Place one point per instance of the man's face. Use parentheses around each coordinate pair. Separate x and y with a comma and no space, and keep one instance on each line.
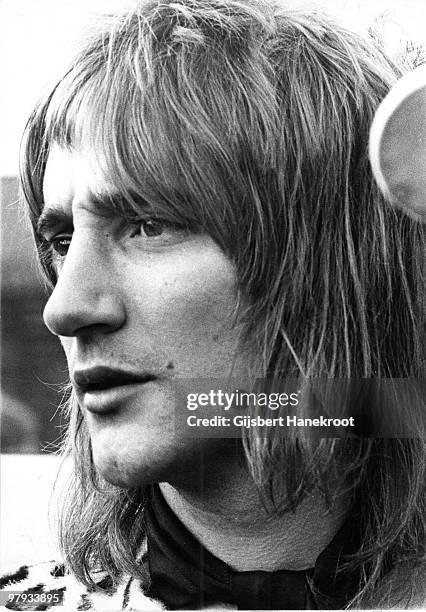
(139,308)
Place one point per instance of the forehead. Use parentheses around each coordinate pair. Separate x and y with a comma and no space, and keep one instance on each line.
(72,174)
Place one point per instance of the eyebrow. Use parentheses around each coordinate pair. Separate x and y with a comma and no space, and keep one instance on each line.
(50,219)
(105,206)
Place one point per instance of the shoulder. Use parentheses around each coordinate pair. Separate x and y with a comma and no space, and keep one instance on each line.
(50,584)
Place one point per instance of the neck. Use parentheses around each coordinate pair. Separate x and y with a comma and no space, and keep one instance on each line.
(227,516)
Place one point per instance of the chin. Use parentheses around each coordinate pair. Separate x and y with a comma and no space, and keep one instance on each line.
(118,471)
(146,463)
(181,463)
(128,468)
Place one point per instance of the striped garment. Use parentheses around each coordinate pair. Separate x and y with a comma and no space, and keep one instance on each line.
(52,578)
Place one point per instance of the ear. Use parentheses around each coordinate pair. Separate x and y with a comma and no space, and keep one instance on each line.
(398,144)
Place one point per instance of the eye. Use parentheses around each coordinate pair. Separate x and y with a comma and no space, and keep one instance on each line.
(60,245)
(157,233)
(150,227)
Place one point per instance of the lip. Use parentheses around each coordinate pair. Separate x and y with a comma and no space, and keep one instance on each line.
(103,389)
(100,378)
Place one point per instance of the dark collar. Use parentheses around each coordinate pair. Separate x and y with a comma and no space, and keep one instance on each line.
(184,575)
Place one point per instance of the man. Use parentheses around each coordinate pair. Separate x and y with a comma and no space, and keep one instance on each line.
(200,194)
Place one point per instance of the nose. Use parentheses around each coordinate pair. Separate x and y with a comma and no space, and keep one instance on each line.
(85,297)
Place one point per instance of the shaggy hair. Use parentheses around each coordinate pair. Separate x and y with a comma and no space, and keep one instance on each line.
(251,122)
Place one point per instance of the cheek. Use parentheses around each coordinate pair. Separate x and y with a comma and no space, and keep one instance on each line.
(202,297)
(188,308)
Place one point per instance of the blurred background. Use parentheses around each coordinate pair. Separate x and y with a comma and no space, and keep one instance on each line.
(37,38)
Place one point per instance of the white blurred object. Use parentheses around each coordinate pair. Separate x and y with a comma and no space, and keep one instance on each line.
(26,537)
(398,144)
